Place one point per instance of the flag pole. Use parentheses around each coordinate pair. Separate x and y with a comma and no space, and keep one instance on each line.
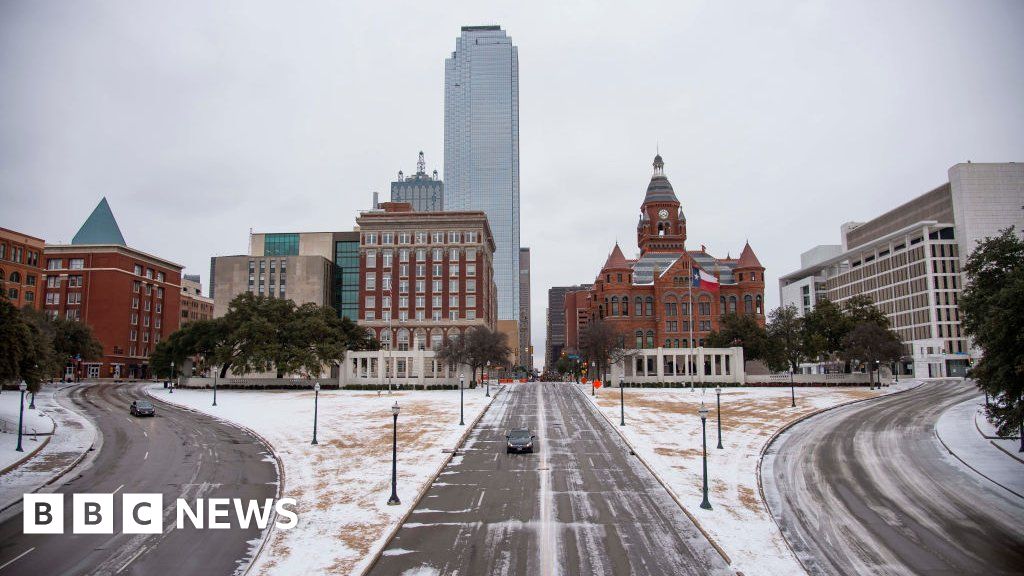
(689,361)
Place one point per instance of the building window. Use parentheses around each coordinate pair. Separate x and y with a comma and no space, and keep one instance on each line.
(435,285)
(470,269)
(371,282)
(76,263)
(471,285)
(421,301)
(404,237)
(385,302)
(438,254)
(54,264)
(421,237)
(454,237)
(370,302)
(453,286)
(12,293)
(14,278)
(421,286)
(470,314)
(639,339)
(387,255)
(403,301)
(453,301)
(421,255)
(145,321)
(453,270)
(370,315)
(135,319)
(371,258)
(403,286)
(435,301)
(471,237)
(470,301)
(74,281)
(748,304)
(281,244)
(387,238)
(639,306)
(649,310)
(615,306)
(403,270)
(149,273)
(74,297)
(73,314)
(386,282)
(650,339)
(160,308)
(51,281)
(29,296)
(160,276)
(370,238)
(436,270)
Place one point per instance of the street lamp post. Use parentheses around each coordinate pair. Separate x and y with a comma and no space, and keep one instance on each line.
(32,403)
(21,413)
(393,500)
(622,403)
(170,387)
(488,378)
(792,390)
(462,382)
(215,386)
(718,401)
(316,408)
(703,428)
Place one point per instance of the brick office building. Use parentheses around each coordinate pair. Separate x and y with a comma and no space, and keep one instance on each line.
(194,306)
(672,297)
(129,298)
(21,273)
(426,276)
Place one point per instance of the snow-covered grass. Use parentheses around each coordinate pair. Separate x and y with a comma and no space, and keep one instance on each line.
(35,421)
(73,436)
(664,427)
(341,485)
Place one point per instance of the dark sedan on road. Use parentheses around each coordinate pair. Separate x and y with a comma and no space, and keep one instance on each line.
(519,440)
(142,408)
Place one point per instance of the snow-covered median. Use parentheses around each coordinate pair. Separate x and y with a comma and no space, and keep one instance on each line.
(664,427)
(342,484)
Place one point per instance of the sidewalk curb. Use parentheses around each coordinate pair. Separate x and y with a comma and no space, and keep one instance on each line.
(375,557)
(30,454)
(718,548)
(66,469)
(964,462)
(272,522)
(787,426)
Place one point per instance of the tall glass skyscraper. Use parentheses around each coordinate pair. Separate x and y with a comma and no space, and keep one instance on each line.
(481,145)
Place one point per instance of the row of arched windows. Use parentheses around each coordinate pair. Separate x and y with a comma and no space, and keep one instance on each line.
(751,304)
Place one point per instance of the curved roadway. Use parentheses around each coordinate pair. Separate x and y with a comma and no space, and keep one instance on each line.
(178,453)
(868,489)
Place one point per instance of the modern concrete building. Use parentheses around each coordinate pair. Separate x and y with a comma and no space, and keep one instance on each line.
(21,268)
(804,293)
(317,267)
(909,261)
(556,322)
(194,305)
(525,338)
(128,297)
(481,145)
(426,276)
(425,192)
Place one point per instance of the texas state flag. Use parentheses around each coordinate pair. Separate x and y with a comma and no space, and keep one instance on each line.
(702,279)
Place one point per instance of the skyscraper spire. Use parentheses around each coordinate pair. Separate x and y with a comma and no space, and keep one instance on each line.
(421,164)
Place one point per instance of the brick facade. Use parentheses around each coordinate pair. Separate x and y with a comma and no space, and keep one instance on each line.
(130,299)
(21,272)
(649,299)
(430,273)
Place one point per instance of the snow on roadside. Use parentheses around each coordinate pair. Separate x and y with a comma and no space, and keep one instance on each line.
(664,427)
(74,435)
(35,421)
(341,485)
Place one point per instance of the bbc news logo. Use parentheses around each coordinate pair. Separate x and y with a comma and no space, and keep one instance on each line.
(144,513)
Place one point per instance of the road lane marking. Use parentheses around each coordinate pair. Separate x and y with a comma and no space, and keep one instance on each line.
(146,456)
(16,558)
(547,534)
(144,433)
(118,489)
(132,559)
(480,501)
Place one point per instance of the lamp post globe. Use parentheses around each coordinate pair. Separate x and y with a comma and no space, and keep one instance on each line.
(316,408)
(21,413)
(622,402)
(703,411)
(718,402)
(393,500)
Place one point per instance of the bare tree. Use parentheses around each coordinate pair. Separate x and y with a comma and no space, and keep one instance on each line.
(603,344)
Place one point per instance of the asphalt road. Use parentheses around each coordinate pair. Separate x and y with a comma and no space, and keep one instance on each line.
(178,453)
(580,505)
(868,489)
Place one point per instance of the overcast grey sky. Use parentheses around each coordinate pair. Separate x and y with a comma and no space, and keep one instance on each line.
(778,121)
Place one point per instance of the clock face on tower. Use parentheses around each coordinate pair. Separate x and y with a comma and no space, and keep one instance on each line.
(663,214)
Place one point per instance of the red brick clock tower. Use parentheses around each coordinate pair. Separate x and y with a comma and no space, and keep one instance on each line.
(662,226)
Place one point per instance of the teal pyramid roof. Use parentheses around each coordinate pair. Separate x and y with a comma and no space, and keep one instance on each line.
(100,227)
